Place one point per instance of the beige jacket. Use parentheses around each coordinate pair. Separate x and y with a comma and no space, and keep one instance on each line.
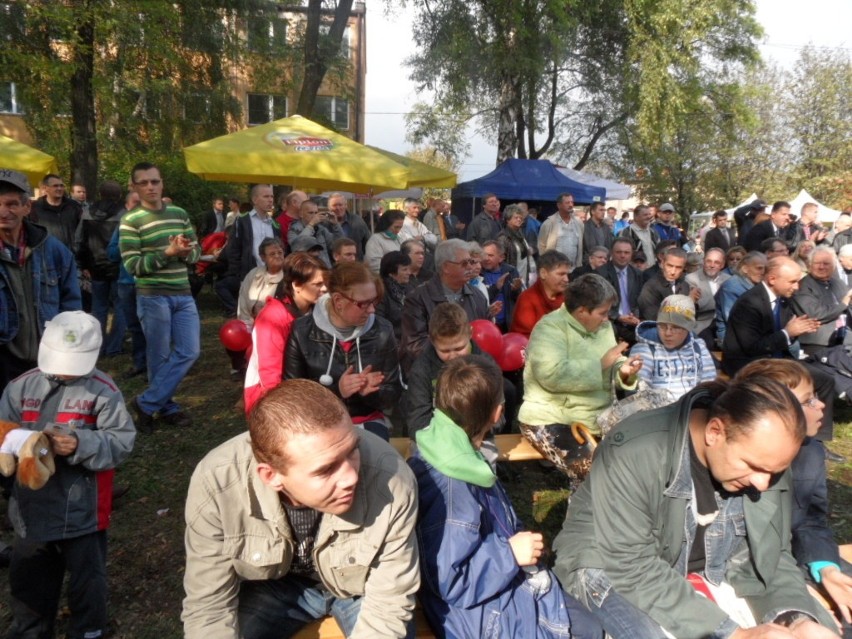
(236,529)
(548,236)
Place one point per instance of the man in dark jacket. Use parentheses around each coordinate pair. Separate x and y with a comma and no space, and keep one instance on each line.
(214,220)
(596,232)
(762,324)
(351,224)
(97,226)
(721,236)
(776,226)
(38,279)
(486,225)
(627,282)
(241,252)
(669,281)
(57,212)
(454,267)
(806,227)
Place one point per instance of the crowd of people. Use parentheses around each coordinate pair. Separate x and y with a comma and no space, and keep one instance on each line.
(687,523)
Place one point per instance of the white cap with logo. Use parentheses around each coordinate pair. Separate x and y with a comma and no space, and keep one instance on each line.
(70,345)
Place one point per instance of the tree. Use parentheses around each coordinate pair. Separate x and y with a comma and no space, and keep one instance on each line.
(145,79)
(321,50)
(561,77)
(820,122)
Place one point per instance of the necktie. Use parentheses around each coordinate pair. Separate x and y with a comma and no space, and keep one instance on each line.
(777,313)
(624,304)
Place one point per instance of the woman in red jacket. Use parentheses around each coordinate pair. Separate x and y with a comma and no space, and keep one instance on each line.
(303,283)
(546,295)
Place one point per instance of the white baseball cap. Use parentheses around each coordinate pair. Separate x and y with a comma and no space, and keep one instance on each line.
(70,345)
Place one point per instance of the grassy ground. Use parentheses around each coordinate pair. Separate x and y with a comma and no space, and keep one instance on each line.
(146,558)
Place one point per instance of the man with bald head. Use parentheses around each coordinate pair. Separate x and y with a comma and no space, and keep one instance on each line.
(762,324)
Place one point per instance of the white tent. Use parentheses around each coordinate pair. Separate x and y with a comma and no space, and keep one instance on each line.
(824,214)
(614,190)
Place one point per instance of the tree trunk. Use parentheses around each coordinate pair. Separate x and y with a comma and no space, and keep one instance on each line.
(507,127)
(316,59)
(84,146)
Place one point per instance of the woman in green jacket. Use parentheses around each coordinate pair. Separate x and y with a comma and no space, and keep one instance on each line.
(571,364)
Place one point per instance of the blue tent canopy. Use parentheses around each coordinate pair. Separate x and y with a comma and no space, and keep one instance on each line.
(535,180)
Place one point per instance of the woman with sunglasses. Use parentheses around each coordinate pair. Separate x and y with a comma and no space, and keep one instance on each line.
(346,347)
(302,283)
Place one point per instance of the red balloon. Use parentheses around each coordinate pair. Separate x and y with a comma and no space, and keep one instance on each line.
(487,336)
(235,335)
(513,356)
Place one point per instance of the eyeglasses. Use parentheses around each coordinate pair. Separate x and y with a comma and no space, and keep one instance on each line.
(363,304)
(813,402)
(468,262)
(56,186)
(147,182)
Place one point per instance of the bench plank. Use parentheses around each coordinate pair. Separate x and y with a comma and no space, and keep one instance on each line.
(328,629)
(509,448)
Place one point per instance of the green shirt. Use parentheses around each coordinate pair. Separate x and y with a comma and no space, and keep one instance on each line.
(143,240)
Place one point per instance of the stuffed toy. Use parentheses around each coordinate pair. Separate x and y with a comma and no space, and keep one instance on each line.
(30,451)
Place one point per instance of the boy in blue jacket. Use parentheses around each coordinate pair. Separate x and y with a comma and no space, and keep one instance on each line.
(479,569)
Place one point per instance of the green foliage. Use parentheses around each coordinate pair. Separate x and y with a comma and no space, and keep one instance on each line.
(562,76)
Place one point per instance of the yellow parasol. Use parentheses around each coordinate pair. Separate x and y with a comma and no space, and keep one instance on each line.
(29,161)
(301,153)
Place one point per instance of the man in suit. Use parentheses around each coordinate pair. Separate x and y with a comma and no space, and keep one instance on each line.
(823,297)
(721,236)
(669,281)
(708,280)
(762,324)
(214,220)
(775,226)
(627,282)
(351,224)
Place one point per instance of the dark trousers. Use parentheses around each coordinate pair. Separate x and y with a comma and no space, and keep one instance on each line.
(228,290)
(35,582)
(824,389)
(127,303)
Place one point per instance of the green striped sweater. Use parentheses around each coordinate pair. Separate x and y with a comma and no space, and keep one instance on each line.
(143,238)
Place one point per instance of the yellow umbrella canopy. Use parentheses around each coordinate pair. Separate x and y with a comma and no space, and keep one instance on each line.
(29,161)
(300,152)
(424,175)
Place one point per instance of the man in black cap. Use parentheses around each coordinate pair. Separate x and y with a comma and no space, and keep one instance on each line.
(39,279)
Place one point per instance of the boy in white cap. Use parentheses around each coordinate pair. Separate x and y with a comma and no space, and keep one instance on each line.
(674,359)
(63,525)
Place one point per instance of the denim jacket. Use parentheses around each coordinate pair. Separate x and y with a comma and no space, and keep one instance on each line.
(55,285)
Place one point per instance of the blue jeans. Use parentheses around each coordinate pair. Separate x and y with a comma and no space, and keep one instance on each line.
(127,302)
(279,608)
(173,333)
(620,618)
(104,295)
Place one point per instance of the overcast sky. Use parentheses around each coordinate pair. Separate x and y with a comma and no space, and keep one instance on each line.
(789,25)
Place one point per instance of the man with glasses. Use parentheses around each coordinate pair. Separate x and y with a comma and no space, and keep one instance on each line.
(55,211)
(453,269)
(157,244)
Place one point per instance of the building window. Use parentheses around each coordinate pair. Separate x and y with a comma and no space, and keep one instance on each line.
(265,108)
(345,42)
(10,98)
(265,33)
(11,22)
(334,110)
